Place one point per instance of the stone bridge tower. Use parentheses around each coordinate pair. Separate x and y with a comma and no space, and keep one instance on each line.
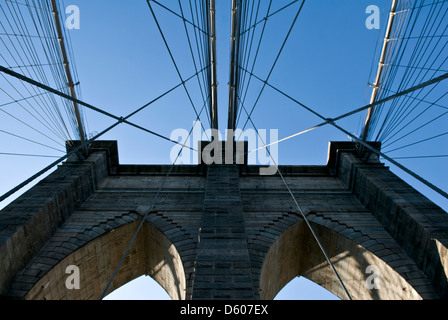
(223,231)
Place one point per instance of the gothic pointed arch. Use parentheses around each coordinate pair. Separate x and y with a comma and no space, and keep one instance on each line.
(364,272)
(152,254)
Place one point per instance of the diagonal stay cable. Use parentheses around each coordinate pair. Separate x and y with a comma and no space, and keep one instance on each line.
(173,60)
(29,140)
(299,208)
(416,142)
(68,154)
(245,87)
(201,46)
(422,100)
(276,60)
(246,52)
(331,121)
(378,102)
(328,120)
(27,155)
(414,130)
(42,86)
(26,124)
(423,157)
(24,51)
(420,58)
(192,54)
(87,142)
(182,17)
(267,17)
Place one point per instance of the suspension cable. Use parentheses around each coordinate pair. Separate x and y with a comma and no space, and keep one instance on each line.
(33,82)
(331,121)
(276,60)
(87,142)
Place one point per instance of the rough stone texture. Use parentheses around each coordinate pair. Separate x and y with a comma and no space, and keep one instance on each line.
(223,231)
(223,267)
(33,219)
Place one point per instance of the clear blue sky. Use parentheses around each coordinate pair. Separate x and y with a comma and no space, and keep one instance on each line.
(122,64)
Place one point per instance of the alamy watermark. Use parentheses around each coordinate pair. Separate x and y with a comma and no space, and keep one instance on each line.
(72,281)
(73,20)
(373,20)
(220,145)
(373,280)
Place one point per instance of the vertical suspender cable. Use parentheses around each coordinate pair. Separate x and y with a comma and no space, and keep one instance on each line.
(376,84)
(239,18)
(214,84)
(67,70)
(233,56)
